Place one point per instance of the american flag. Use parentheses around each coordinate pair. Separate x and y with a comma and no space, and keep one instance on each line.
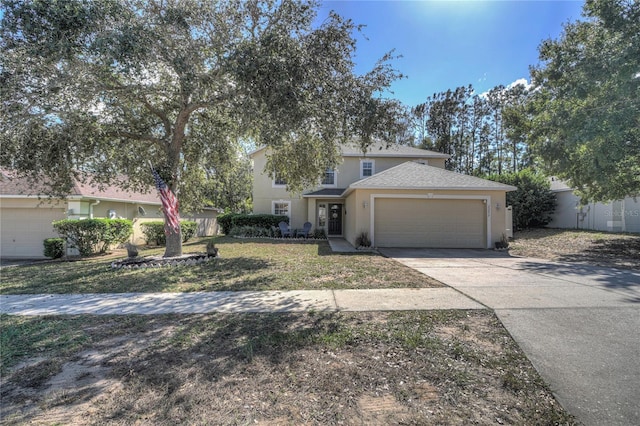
(169,204)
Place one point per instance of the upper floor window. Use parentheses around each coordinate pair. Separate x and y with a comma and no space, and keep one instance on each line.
(367,168)
(279,181)
(329,178)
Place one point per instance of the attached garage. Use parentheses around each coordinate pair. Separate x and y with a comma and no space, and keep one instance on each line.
(26,219)
(23,230)
(430,222)
(417,205)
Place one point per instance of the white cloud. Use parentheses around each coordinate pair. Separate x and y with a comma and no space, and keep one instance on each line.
(521,81)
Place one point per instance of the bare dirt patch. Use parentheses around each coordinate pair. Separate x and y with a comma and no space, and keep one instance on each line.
(437,367)
(596,248)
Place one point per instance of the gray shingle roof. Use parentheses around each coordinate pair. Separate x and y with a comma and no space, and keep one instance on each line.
(558,185)
(379,149)
(12,185)
(325,192)
(412,175)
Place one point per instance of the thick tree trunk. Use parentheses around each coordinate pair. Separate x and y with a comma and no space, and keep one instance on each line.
(174,244)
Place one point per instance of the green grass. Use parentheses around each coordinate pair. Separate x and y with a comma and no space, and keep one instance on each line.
(243,265)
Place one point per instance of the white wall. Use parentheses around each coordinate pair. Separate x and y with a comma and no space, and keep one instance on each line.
(616,216)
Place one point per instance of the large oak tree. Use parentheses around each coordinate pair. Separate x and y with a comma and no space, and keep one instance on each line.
(95,90)
(586,104)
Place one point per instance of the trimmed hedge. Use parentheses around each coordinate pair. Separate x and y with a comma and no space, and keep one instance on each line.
(229,221)
(154,231)
(92,236)
(54,247)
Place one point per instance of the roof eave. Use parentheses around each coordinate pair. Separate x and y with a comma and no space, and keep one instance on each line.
(122,200)
(506,188)
(320,196)
(398,155)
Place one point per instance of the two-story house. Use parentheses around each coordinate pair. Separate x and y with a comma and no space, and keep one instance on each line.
(400,196)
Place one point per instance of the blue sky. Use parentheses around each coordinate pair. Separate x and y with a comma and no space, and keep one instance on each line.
(446,44)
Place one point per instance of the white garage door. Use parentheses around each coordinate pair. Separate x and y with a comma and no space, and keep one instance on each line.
(436,223)
(23,230)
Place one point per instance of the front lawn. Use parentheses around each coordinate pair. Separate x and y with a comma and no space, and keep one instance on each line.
(365,368)
(243,265)
(571,245)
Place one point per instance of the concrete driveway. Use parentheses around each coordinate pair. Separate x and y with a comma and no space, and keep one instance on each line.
(578,324)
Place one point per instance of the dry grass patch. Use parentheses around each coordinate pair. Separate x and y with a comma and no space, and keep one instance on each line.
(593,247)
(243,265)
(436,367)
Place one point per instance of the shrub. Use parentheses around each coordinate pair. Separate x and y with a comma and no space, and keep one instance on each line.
(54,247)
(154,231)
(91,236)
(533,202)
(230,220)
(188,230)
(363,240)
(318,234)
(251,232)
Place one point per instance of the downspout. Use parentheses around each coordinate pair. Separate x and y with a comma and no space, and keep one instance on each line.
(91,208)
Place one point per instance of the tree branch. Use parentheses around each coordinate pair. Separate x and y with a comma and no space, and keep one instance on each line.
(138,137)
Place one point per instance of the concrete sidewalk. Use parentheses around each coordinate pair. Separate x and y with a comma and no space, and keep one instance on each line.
(241,301)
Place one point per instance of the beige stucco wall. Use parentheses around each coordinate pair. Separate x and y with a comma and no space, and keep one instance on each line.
(83,209)
(362,215)
(348,172)
(37,215)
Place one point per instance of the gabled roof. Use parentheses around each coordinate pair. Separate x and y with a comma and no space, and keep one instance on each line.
(558,185)
(412,175)
(380,149)
(13,186)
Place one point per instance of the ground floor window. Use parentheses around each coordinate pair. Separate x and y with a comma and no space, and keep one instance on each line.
(282,208)
(322,215)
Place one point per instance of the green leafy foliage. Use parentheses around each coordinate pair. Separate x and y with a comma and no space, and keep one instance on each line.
(188,229)
(228,221)
(533,202)
(252,232)
(54,247)
(92,236)
(585,112)
(154,231)
(126,81)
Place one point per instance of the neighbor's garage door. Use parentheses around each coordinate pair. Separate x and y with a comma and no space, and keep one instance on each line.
(435,223)
(23,230)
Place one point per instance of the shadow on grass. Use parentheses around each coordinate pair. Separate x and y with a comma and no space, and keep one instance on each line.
(615,251)
(236,340)
(95,276)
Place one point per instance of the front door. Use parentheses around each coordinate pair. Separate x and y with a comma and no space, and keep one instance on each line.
(335,219)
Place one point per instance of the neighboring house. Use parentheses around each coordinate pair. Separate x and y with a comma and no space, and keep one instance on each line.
(400,196)
(25,218)
(615,216)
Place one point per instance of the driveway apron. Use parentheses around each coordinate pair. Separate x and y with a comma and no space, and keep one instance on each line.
(578,324)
